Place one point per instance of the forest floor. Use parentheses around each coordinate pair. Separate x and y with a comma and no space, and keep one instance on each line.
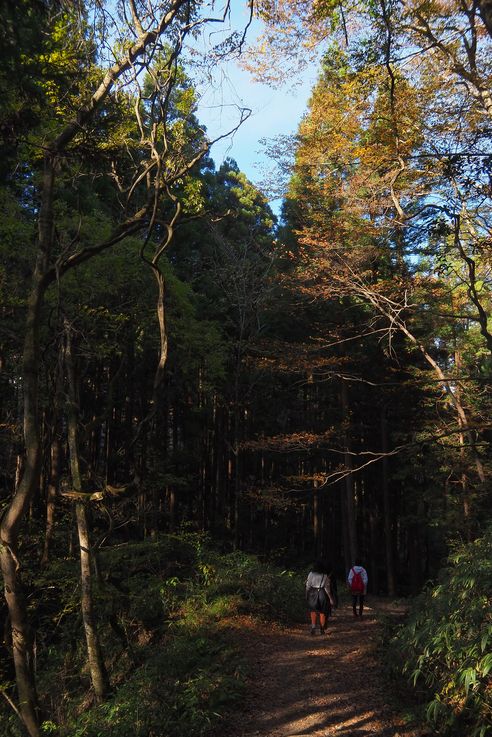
(317,686)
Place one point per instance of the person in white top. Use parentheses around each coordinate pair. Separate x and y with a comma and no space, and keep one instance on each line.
(318,595)
(357,582)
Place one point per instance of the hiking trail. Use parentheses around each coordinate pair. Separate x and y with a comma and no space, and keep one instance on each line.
(317,686)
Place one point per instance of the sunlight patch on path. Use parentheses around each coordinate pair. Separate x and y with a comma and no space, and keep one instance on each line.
(323,686)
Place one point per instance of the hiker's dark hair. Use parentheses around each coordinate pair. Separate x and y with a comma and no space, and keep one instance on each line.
(358,562)
(320,567)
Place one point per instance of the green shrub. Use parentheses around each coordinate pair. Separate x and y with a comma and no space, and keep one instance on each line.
(447,642)
(265,591)
(158,605)
(182,689)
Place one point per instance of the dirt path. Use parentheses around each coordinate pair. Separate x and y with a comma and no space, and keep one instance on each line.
(316,686)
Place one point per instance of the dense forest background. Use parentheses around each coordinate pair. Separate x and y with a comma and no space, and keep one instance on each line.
(177,361)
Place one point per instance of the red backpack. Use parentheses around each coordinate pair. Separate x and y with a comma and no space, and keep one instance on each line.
(357,584)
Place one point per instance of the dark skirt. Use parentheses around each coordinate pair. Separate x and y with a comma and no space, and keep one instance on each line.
(318,601)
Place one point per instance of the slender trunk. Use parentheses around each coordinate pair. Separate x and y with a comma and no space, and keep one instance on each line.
(374,545)
(350,506)
(55,460)
(463,476)
(347,557)
(52,495)
(416,547)
(388,537)
(349,479)
(97,669)
(237,485)
(171,500)
(316,520)
(236,443)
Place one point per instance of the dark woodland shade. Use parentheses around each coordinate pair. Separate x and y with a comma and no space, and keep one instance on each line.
(293,363)
(320,566)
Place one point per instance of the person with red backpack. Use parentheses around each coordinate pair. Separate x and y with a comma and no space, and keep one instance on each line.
(357,583)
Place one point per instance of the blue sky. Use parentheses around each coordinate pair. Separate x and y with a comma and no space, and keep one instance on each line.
(274,112)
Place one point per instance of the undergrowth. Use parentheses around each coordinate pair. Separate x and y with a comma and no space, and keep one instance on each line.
(445,646)
(163,610)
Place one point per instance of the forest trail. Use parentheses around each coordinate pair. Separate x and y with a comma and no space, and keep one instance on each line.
(316,686)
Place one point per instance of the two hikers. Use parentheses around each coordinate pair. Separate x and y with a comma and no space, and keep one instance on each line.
(321,592)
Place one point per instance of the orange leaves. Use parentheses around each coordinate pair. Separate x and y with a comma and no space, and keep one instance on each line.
(299,358)
(300,441)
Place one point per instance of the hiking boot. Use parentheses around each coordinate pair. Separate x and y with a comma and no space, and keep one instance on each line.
(313,630)
(322,630)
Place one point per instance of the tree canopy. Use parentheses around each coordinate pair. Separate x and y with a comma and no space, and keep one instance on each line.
(176,359)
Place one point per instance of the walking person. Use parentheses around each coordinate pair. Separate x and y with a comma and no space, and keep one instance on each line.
(357,582)
(333,600)
(318,595)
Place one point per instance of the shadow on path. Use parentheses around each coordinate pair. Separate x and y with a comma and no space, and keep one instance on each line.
(315,686)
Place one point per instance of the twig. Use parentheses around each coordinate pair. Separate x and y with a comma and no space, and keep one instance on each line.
(11,703)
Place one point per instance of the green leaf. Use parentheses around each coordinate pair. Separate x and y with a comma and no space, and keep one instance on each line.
(486,664)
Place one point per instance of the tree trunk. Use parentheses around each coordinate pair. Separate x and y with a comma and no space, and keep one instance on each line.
(388,537)
(237,476)
(29,482)
(42,276)
(97,668)
(55,459)
(21,640)
(53,487)
(463,475)
(316,520)
(349,481)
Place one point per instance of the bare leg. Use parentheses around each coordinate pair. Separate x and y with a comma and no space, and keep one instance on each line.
(313,616)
